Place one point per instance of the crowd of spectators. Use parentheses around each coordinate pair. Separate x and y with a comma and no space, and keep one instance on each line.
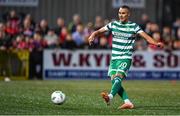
(168,34)
(22,32)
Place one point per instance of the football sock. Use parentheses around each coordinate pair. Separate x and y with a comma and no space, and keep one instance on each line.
(116,85)
(127,101)
(110,96)
(123,94)
(117,88)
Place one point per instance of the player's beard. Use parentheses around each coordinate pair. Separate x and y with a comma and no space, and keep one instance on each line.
(122,19)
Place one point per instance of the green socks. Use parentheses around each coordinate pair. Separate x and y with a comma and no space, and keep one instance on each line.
(123,93)
(117,88)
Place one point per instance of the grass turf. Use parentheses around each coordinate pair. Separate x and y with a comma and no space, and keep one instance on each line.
(83,97)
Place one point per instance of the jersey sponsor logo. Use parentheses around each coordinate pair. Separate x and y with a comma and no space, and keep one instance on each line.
(121,34)
(125,35)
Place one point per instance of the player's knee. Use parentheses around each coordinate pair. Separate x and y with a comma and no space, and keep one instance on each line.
(119,75)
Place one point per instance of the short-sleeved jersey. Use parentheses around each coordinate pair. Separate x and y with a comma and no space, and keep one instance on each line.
(124,35)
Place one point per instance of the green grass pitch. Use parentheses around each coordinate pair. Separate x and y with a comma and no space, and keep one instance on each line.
(83,97)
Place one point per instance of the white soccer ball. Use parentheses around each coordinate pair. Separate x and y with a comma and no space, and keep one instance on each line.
(58,97)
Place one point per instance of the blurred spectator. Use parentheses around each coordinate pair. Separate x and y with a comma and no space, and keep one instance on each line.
(73,25)
(144,21)
(154,28)
(176,45)
(4,40)
(108,34)
(169,45)
(51,39)
(98,22)
(29,17)
(140,45)
(103,43)
(106,21)
(167,34)
(63,34)
(176,25)
(20,42)
(151,28)
(148,28)
(2,27)
(13,19)
(35,58)
(10,29)
(27,28)
(12,23)
(85,44)
(88,29)
(60,24)
(168,38)
(87,32)
(37,28)
(12,16)
(79,35)
(38,43)
(43,27)
(69,43)
(178,34)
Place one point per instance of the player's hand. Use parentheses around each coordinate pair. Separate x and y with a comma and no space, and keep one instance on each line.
(160,45)
(91,39)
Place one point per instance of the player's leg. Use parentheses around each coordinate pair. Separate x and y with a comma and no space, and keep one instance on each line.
(117,71)
(105,95)
(123,69)
(123,93)
(127,103)
(118,88)
(115,88)
(116,85)
(116,80)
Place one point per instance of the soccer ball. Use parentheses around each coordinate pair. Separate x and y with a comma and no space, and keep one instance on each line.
(58,97)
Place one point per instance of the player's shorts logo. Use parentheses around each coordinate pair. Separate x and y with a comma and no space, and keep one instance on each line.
(123,65)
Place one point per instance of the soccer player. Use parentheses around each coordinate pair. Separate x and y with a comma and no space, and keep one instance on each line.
(124,34)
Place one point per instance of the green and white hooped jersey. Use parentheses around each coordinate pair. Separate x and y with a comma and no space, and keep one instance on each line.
(124,35)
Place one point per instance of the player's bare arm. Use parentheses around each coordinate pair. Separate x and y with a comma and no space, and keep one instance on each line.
(94,34)
(150,40)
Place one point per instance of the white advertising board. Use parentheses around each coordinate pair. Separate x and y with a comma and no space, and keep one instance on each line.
(92,62)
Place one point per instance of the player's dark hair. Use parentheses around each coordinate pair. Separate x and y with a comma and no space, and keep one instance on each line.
(127,7)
